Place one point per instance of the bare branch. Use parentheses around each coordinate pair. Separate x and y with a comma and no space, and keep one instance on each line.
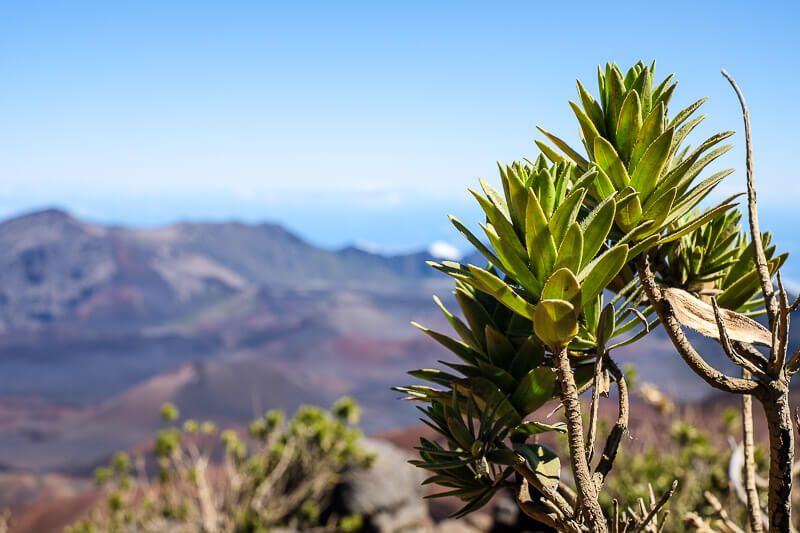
(619,429)
(759,256)
(665,312)
(595,406)
(721,513)
(754,513)
(780,332)
(794,362)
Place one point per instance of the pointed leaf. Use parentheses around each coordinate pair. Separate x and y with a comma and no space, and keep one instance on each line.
(598,274)
(648,171)
(630,123)
(608,160)
(571,250)
(595,228)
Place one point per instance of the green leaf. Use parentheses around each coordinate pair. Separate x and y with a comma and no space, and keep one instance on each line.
(608,160)
(571,250)
(690,200)
(511,262)
(742,289)
(549,153)
(517,194)
(539,242)
(686,169)
(544,462)
(501,351)
(474,313)
(474,241)
(546,193)
(488,398)
(566,213)
(536,428)
(475,503)
(491,284)
(595,228)
(602,187)
(574,156)
(606,325)
(658,209)
(591,315)
(563,285)
(629,210)
(630,123)
(535,389)
(459,327)
(648,171)
(686,113)
(666,95)
(588,130)
(502,225)
(530,355)
(615,88)
(700,220)
(433,375)
(654,125)
(592,108)
(598,274)
(555,323)
(496,199)
(462,350)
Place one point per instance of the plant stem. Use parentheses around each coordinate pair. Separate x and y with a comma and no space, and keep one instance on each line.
(781,447)
(587,491)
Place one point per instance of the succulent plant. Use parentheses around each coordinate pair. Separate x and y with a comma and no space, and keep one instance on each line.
(619,219)
(638,153)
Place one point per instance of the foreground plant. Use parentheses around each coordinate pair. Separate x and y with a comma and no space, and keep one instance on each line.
(618,218)
(282,474)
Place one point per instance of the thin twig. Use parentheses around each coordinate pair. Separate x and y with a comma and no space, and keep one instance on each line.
(753,505)
(723,515)
(591,435)
(655,508)
(620,426)
(752,208)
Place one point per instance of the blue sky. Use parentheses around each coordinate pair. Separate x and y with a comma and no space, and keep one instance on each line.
(352,122)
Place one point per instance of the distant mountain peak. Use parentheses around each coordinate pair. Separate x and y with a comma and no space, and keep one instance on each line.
(48,214)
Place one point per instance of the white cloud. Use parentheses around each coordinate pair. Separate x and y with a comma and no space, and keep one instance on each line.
(445,250)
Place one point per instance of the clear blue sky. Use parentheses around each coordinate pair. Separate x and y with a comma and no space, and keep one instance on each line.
(351,122)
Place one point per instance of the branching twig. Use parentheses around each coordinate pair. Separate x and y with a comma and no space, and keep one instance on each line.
(664,310)
(655,507)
